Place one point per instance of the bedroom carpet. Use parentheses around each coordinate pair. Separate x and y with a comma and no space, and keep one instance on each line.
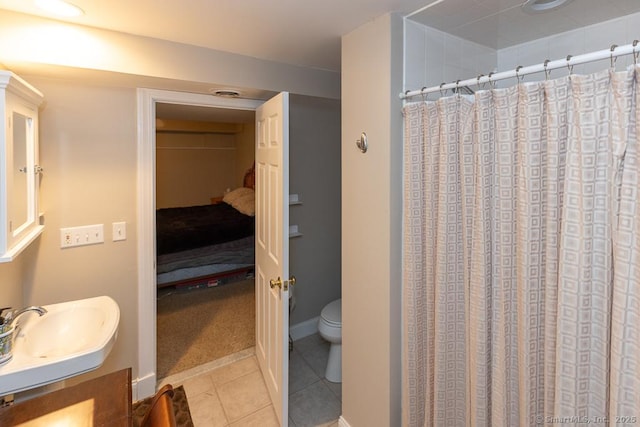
(201,325)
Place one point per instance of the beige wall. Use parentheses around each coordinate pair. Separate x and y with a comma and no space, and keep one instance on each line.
(12,276)
(245,152)
(193,167)
(371,224)
(88,152)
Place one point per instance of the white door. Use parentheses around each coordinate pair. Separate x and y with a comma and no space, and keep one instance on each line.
(272,249)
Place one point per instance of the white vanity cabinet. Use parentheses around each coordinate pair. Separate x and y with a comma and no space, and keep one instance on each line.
(19,169)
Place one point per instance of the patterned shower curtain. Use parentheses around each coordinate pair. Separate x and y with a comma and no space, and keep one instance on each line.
(522,255)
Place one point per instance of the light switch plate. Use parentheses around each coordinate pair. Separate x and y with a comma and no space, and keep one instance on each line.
(119,231)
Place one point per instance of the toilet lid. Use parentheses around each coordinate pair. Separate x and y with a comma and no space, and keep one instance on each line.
(332,313)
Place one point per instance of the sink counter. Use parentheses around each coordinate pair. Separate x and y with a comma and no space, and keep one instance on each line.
(102,401)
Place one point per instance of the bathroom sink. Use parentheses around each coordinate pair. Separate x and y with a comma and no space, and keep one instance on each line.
(71,338)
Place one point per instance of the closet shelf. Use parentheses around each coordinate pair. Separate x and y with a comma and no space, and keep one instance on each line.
(191,126)
(294,199)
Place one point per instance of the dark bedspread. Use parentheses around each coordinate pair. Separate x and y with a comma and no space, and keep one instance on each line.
(179,229)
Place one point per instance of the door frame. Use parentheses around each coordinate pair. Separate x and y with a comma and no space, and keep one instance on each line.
(145,381)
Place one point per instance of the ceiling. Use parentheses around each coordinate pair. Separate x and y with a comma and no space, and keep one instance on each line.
(503,23)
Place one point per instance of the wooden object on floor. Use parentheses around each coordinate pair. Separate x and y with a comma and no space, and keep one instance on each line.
(103,401)
(160,412)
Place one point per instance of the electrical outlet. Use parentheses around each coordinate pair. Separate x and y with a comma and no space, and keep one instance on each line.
(81,236)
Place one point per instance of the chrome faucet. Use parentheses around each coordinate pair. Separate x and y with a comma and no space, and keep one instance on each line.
(13,315)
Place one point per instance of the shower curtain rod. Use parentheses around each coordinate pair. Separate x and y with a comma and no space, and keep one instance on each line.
(521,71)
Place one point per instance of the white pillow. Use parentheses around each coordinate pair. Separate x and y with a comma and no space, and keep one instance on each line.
(244,203)
(233,195)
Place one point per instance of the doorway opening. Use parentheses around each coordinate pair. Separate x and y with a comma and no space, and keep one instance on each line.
(205,225)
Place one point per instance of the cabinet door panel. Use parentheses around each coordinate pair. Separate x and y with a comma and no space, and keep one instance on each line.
(19,179)
(19,217)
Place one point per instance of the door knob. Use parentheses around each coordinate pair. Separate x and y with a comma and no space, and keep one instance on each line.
(275,282)
(282,284)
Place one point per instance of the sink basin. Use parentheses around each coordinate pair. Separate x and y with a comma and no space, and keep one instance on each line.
(71,338)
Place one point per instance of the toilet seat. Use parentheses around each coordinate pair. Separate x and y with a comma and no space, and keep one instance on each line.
(330,328)
(332,313)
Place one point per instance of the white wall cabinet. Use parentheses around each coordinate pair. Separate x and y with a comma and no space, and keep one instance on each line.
(19,168)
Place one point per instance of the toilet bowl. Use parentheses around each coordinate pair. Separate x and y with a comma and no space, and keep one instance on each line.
(330,328)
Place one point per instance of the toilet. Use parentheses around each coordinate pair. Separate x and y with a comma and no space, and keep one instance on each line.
(330,328)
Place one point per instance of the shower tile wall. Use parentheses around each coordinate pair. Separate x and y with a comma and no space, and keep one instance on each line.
(595,37)
(432,56)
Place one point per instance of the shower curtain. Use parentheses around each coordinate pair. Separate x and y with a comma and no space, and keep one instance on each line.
(522,255)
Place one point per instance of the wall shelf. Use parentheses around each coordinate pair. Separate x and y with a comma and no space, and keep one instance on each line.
(294,231)
(192,126)
(294,200)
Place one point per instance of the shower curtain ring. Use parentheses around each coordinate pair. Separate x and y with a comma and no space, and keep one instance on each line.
(635,54)
(478,80)
(518,78)
(442,92)
(492,84)
(546,71)
(458,87)
(425,96)
(569,67)
(613,60)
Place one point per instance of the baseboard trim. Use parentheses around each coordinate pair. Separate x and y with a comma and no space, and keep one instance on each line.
(304,329)
(143,387)
(342,422)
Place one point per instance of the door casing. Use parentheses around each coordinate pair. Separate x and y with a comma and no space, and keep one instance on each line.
(144,384)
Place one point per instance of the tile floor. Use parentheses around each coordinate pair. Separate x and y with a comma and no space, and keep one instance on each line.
(231,391)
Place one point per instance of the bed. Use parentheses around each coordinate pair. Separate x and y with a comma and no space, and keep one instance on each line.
(207,245)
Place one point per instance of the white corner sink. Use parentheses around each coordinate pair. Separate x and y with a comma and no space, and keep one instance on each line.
(71,338)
